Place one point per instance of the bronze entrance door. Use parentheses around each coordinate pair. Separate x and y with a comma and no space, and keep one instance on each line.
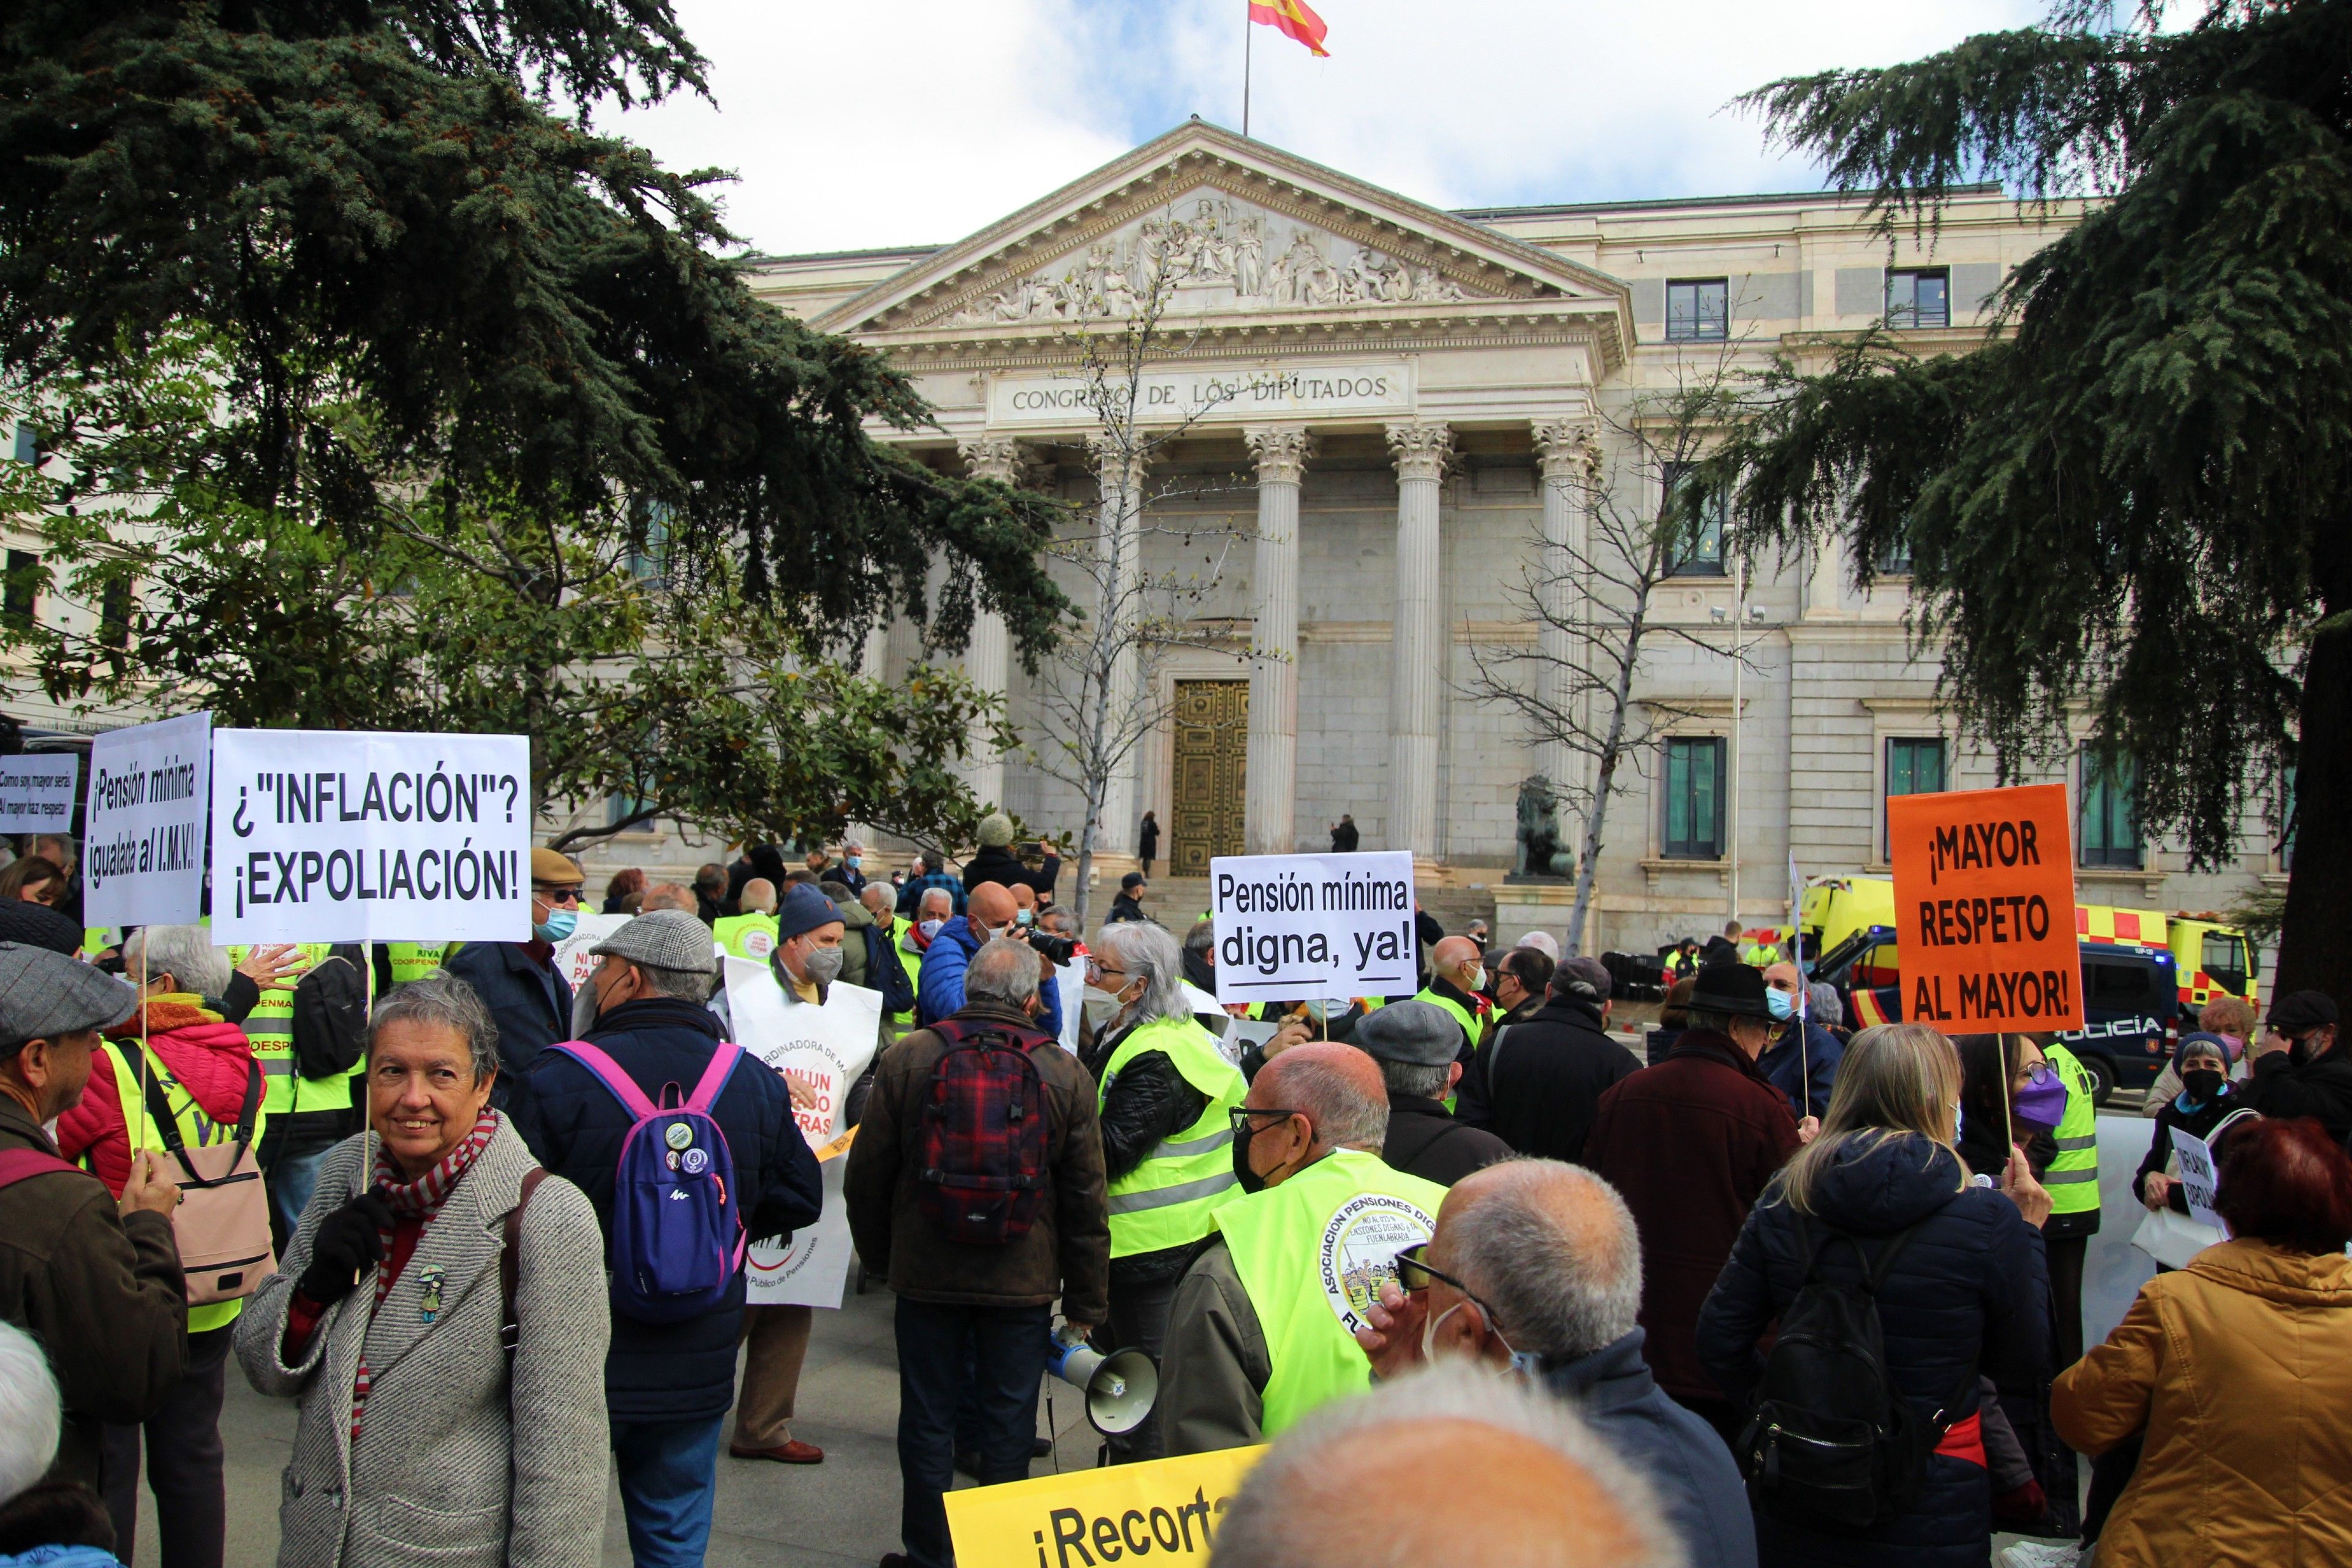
(1212,757)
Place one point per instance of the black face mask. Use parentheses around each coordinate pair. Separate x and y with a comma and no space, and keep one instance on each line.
(2203,1083)
(1249,1180)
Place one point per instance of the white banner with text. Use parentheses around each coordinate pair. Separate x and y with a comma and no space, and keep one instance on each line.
(143,823)
(1293,927)
(37,792)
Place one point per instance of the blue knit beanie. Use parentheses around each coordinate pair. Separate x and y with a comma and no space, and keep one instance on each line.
(803,909)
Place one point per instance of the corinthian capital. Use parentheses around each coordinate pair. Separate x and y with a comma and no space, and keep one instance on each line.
(1422,448)
(1110,452)
(1567,449)
(993,458)
(1281,451)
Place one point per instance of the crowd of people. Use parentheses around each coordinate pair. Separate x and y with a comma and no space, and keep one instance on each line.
(1487,1277)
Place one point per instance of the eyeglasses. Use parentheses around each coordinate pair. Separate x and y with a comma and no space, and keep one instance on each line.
(1241,1114)
(1413,1277)
(555,895)
(1097,969)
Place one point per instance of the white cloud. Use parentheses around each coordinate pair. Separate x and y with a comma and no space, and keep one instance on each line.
(854,126)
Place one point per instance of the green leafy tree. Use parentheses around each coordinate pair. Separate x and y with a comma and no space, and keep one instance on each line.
(2131,497)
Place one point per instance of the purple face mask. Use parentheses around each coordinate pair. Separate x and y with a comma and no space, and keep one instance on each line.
(2042,1102)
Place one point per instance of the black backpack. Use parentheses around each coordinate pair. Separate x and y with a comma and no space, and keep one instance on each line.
(1833,1441)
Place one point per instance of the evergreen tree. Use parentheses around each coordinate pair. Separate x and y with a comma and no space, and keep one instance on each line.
(2132,496)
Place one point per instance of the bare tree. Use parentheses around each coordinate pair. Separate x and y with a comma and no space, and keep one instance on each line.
(1097,692)
(1590,586)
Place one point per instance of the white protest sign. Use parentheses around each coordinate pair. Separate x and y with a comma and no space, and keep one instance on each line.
(2199,1179)
(143,823)
(1071,980)
(572,959)
(1313,926)
(812,1269)
(37,792)
(346,836)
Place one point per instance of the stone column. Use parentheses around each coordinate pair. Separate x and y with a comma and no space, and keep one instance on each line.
(1272,790)
(1422,450)
(1119,541)
(1567,451)
(985,658)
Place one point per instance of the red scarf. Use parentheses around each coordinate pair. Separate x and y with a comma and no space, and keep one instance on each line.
(421,1201)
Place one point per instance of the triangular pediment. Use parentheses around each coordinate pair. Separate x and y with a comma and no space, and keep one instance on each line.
(1235,232)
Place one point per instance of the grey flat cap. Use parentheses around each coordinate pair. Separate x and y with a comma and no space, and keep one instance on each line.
(44,994)
(1584,978)
(1415,1032)
(663,938)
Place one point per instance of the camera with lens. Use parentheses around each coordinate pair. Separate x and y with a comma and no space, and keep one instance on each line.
(1056,951)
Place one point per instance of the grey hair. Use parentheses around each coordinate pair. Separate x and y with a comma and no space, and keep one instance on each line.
(30,1412)
(1202,938)
(1342,1115)
(1149,952)
(946,898)
(1561,1290)
(187,954)
(1411,1078)
(1003,971)
(1299,1507)
(1827,1007)
(683,985)
(442,998)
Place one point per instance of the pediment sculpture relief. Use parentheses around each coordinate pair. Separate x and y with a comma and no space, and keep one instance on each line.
(1213,260)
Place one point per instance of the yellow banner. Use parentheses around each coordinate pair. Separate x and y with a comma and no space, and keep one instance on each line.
(1164,1510)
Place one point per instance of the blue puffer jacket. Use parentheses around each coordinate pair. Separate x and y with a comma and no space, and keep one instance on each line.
(671,1372)
(940,995)
(1970,1293)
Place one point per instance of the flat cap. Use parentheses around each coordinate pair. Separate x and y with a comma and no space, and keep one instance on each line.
(1586,979)
(2299,1012)
(554,870)
(663,938)
(1418,1034)
(44,994)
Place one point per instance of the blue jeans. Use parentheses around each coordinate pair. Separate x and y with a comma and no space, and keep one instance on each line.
(1006,1346)
(292,1178)
(669,1477)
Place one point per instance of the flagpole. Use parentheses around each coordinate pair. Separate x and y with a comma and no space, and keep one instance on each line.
(1247,37)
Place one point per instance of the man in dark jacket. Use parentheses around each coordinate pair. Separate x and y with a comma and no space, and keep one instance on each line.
(1520,981)
(1724,948)
(995,862)
(1801,1062)
(993,1303)
(1689,1144)
(95,1279)
(1344,837)
(1415,1045)
(1537,1085)
(2301,1065)
(935,874)
(1128,905)
(667,1386)
(1548,1265)
(527,996)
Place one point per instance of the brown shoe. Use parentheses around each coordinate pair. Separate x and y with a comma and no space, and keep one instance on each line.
(793,1453)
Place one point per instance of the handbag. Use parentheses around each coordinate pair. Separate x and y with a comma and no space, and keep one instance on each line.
(223,1222)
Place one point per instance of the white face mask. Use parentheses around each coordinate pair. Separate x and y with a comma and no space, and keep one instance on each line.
(1429,1333)
(1102,1006)
(1478,978)
(929,927)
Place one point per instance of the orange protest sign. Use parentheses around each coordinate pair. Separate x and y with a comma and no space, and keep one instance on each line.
(1984,909)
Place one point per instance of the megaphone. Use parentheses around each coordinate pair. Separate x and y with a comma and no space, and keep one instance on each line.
(1119,1387)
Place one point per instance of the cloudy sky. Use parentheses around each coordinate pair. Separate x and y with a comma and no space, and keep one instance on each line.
(858,125)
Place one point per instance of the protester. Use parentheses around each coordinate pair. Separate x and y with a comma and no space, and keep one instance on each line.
(43,1523)
(2238,1371)
(1165,1112)
(529,998)
(1801,1062)
(1344,837)
(670,896)
(753,933)
(1689,1144)
(934,876)
(972,1317)
(94,1278)
(1674,1018)
(709,892)
(419,1437)
(617,891)
(1955,1275)
(1444,1467)
(877,899)
(1147,841)
(1254,1341)
(1828,1010)
(1521,977)
(2207,1096)
(857,926)
(1128,905)
(989,912)
(1995,1070)
(1537,1082)
(996,861)
(35,880)
(1542,941)
(1456,977)
(851,872)
(2301,1067)
(201,1070)
(1201,956)
(2229,1019)
(1538,1264)
(933,911)
(1416,1047)
(669,1386)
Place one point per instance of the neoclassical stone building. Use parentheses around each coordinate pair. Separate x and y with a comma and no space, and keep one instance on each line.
(1393,399)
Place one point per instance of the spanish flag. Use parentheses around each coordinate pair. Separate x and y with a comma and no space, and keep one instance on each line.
(1293,17)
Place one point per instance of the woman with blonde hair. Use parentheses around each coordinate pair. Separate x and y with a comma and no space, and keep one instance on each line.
(1880,1200)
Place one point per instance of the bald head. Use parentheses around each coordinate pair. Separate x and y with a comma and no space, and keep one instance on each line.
(1456,958)
(1523,1482)
(990,904)
(759,896)
(1024,897)
(1336,1087)
(1550,1248)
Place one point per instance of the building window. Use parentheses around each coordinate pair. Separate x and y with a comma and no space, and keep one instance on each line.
(1700,555)
(28,445)
(647,557)
(1919,297)
(1695,792)
(1913,767)
(1895,558)
(114,613)
(1698,310)
(21,590)
(2107,830)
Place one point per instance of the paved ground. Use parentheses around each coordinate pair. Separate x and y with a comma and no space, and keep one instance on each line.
(777,1516)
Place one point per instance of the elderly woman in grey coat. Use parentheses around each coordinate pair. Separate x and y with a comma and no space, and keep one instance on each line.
(421,1438)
